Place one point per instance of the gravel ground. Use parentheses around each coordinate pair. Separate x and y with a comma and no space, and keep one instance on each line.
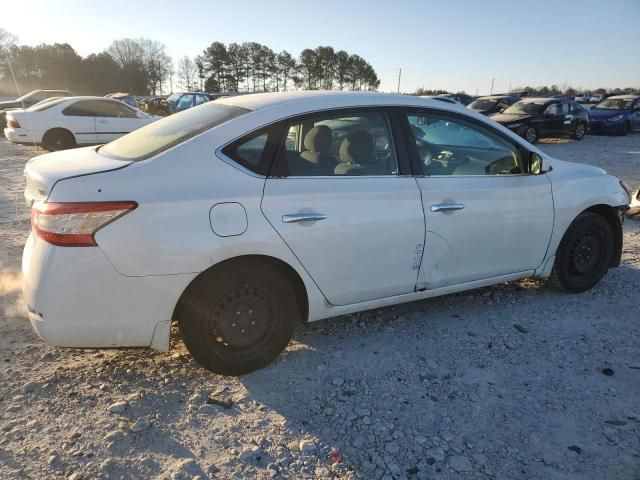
(508,382)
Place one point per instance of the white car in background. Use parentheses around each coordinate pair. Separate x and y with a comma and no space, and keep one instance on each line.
(244,216)
(66,122)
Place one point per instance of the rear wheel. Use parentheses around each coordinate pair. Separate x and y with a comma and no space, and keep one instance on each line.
(238,319)
(58,139)
(584,254)
(531,135)
(579,132)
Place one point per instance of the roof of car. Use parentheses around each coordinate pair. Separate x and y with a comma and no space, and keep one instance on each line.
(541,99)
(332,99)
(623,97)
(496,97)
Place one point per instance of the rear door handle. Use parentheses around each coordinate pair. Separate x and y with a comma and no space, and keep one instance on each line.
(443,207)
(302,217)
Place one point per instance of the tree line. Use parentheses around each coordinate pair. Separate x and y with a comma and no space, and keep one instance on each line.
(252,67)
(143,67)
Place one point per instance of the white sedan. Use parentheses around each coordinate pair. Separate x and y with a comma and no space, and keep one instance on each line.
(242,217)
(66,122)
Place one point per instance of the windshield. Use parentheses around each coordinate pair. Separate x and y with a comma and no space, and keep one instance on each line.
(616,103)
(174,98)
(170,131)
(524,108)
(482,104)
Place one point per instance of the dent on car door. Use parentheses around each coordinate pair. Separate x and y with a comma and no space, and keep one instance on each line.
(485,216)
(339,203)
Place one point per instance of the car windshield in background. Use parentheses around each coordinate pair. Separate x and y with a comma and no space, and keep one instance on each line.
(482,104)
(174,98)
(616,103)
(43,105)
(168,132)
(524,108)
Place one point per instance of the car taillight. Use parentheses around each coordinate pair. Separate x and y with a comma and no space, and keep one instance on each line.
(13,123)
(75,224)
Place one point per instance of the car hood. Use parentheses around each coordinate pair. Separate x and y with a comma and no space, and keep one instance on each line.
(606,112)
(575,169)
(506,119)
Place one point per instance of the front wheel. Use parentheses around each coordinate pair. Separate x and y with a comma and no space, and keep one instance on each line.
(237,319)
(531,135)
(584,255)
(579,132)
(625,129)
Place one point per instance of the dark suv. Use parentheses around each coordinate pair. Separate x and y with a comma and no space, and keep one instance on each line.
(535,118)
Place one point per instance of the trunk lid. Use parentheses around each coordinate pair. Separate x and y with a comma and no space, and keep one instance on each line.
(43,172)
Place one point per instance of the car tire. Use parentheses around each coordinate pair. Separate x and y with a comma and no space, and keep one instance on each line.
(238,318)
(58,139)
(584,254)
(580,131)
(531,135)
(625,129)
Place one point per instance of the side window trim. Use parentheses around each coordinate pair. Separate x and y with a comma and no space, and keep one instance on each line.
(265,165)
(416,163)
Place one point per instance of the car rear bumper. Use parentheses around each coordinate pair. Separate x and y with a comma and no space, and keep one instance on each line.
(20,135)
(75,298)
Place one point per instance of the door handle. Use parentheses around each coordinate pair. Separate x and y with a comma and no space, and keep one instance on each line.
(302,217)
(443,207)
(102,121)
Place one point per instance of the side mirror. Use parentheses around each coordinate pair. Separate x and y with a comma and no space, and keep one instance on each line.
(537,165)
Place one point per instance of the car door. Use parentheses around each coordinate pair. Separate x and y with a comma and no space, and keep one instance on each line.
(635,115)
(554,119)
(79,117)
(114,119)
(342,201)
(485,216)
(184,102)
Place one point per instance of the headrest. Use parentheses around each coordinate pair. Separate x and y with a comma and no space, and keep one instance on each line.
(357,148)
(318,139)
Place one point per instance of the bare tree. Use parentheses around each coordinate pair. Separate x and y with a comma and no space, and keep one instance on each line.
(187,71)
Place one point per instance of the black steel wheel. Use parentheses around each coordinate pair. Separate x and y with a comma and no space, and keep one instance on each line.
(58,139)
(237,319)
(580,131)
(584,255)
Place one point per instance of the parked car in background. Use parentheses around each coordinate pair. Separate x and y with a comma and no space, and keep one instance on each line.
(492,104)
(634,206)
(67,122)
(185,100)
(242,217)
(124,97)
(155,106)
(596,97)
(535,118)
(462,98)
(618,115)
(29,100)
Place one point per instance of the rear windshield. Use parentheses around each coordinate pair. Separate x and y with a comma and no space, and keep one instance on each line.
(44,104)
(170,131)
(482,104)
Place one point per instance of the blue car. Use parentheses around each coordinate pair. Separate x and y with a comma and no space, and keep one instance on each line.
(184,100)
(615,115)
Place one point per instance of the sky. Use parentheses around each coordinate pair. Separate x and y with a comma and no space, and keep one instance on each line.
(452,44)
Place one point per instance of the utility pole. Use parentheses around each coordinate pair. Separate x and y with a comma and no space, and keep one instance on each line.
(492,80)
(509,88)
(399,76)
